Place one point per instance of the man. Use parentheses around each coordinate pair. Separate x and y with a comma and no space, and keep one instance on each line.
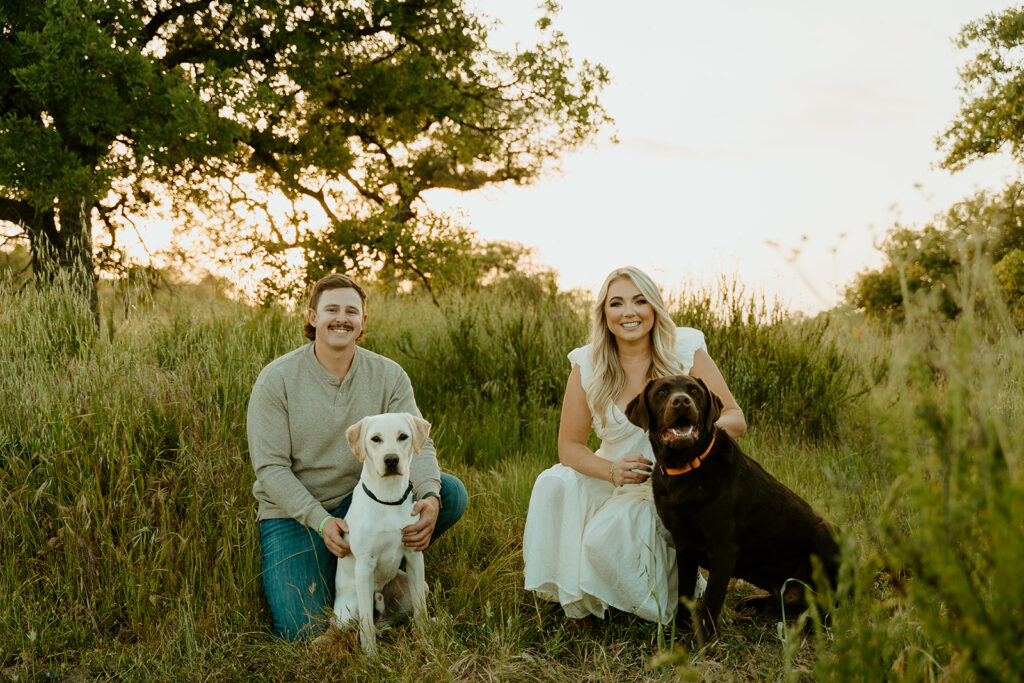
(300,407)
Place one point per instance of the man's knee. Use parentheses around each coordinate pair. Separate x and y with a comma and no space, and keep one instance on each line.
(298,575)
(454,499)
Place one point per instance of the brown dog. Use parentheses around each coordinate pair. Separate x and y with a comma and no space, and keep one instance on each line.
(724,511)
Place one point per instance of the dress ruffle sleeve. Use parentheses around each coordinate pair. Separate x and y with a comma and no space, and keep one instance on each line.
(688,340)
(583,358)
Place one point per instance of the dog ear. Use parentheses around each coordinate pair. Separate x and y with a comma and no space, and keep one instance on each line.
(714,410)
(636,411)
(354,434)
(420,430)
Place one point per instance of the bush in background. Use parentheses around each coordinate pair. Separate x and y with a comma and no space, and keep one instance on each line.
(784,372)
(943,567)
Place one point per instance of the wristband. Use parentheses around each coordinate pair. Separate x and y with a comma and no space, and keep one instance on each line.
(320,529)
(431,494)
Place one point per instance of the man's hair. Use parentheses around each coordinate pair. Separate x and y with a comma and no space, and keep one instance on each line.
(327,283)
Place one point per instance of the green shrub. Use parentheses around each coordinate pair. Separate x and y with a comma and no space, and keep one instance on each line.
(949,537)
(781,371)
(501,344)
(956,527)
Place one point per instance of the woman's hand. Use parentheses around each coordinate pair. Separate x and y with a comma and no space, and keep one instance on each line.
(630,469)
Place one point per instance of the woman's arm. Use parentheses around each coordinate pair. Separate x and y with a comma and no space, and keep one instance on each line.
(573,431)
(732,419)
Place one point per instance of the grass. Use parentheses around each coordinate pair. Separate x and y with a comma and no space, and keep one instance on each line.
(130,549)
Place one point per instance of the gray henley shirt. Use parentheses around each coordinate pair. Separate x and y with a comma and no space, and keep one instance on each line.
(296,423)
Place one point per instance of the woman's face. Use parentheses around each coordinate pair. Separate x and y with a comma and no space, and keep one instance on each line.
(628,314)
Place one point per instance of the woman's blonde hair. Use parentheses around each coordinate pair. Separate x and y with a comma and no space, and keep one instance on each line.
(608,378)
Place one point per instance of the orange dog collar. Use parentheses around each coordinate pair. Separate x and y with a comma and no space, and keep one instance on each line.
(693,464)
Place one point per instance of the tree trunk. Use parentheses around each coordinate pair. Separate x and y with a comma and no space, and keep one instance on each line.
(67,252)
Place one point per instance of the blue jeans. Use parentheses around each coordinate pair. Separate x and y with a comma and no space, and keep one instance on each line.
(298,569)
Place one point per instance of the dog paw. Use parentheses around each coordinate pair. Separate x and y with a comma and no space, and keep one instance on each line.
(324,641)
(700,587)
(758,602)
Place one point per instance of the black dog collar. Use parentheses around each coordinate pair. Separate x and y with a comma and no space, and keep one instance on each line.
(387,502)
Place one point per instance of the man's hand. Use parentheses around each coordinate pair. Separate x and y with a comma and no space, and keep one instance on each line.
(417,535)
(333,529)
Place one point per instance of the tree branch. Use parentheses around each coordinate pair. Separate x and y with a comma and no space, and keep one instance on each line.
(368,194)
(426,282)
(17,212)
(165,16)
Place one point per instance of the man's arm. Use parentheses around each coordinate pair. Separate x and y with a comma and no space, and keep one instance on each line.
(270,450)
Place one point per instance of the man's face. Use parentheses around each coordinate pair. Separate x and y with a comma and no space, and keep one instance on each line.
(339,319)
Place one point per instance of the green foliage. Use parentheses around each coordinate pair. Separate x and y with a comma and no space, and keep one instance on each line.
(495,358)
(956,524)
(927,263)
(86,105)
(502,344)
(1009,274)
(947,417)
(921,263)
(442,255)
(114,466)
(110,105)
(990,117)
(781,372)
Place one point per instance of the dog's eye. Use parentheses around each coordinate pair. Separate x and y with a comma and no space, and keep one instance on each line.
(661,391)
(403,437)
(376,438)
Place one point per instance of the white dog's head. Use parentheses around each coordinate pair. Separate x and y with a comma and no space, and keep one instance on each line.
(388,441)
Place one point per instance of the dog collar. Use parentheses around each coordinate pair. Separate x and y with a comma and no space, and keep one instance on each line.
(693,464)
(387,502)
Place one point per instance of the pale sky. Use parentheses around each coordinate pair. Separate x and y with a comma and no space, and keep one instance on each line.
(741,122)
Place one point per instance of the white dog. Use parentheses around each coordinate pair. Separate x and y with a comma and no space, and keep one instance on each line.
(381,507)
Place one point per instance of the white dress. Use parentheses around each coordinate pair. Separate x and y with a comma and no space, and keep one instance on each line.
(588,544)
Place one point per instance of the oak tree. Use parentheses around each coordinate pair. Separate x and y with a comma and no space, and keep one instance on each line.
(358,107)
(991,116)
(928,260)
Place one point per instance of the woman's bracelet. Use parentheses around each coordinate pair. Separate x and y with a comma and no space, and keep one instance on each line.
(611,473)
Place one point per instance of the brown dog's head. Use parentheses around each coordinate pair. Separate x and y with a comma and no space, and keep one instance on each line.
(676,411)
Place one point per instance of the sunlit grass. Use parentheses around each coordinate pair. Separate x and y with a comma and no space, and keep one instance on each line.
(130,546)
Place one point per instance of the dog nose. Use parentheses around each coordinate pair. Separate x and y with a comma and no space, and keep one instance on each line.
(681,401)
(391,461)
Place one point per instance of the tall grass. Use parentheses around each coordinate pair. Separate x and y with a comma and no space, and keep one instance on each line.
(948,601)
(127,526)
(781,371)
(121,450)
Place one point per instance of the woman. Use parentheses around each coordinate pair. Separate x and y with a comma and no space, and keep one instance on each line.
(593,538)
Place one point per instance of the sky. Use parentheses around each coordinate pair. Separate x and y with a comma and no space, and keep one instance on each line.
(771,142)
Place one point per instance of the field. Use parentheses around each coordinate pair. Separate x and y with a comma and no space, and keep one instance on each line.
(130,547)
